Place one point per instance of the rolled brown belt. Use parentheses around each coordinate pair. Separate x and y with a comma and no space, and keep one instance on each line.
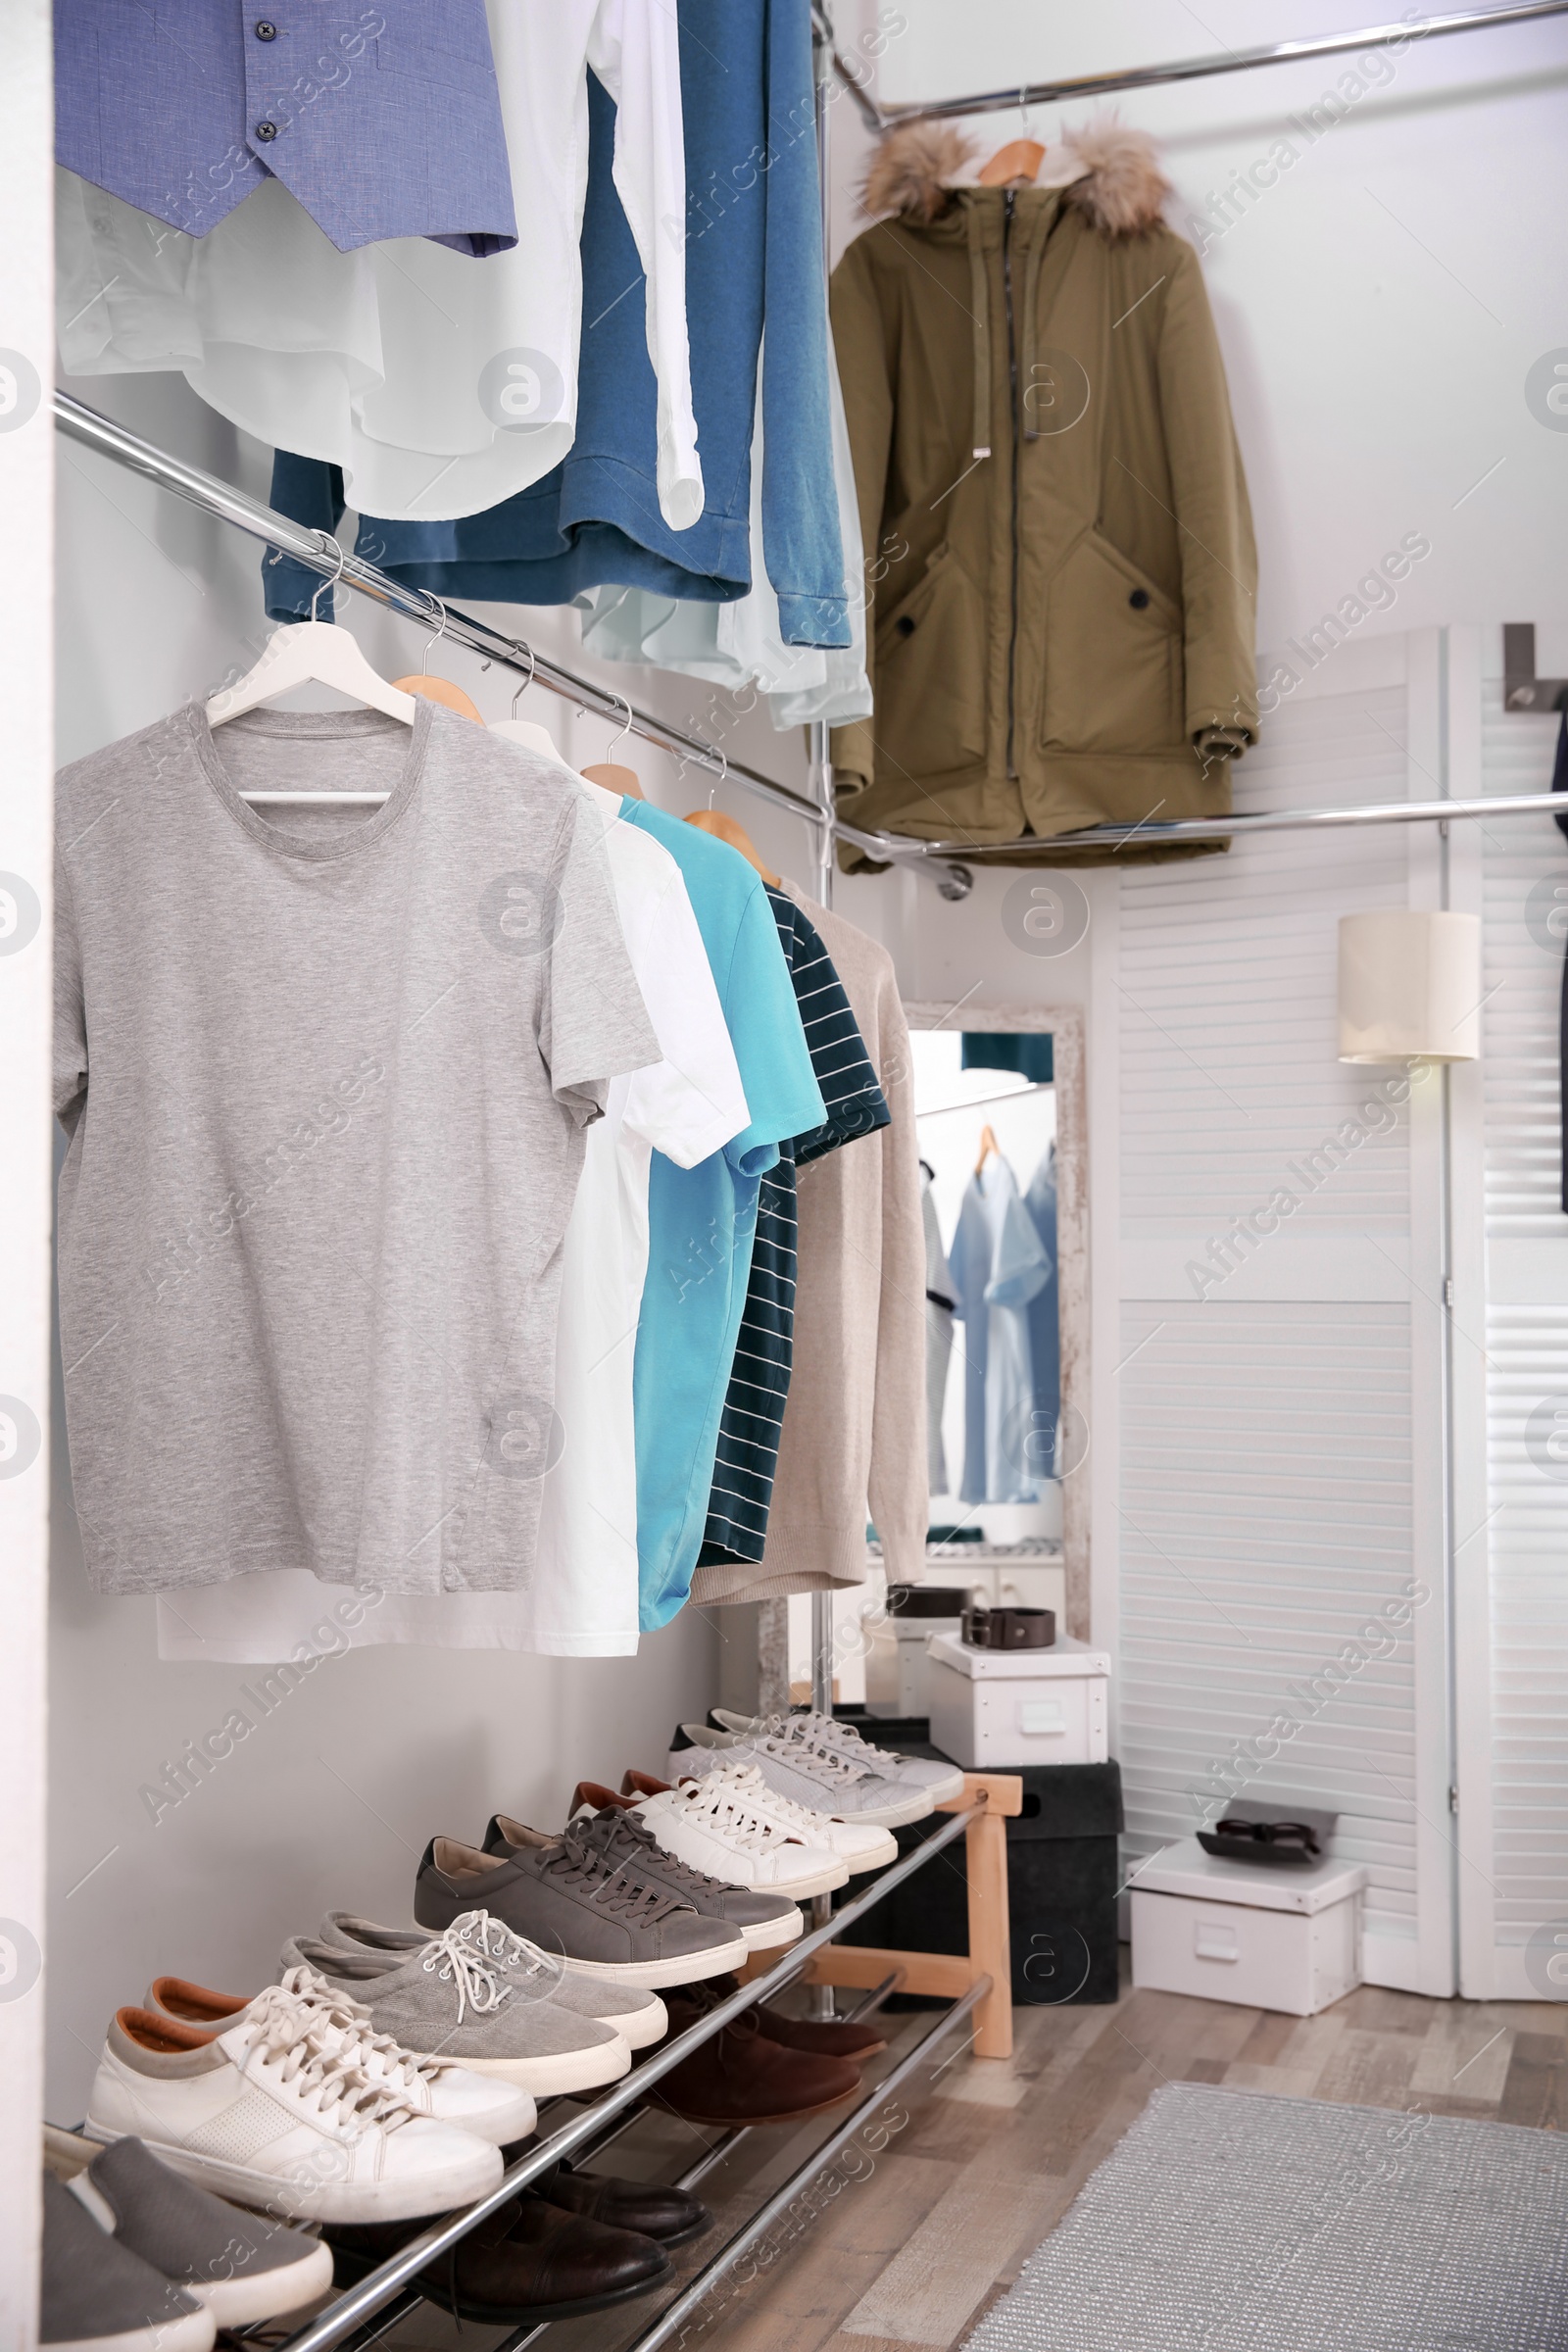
(1010,1629)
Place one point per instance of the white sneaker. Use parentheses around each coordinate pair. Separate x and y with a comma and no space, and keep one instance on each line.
(922,1776)
(267,2114)
(715,1826)
(858,1848)
(499,2112)
(793,1766)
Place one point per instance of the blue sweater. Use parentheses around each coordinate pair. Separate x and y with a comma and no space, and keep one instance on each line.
(753,245)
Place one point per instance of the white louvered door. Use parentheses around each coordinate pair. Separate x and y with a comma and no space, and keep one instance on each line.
(1281,1601)
(1511,1377)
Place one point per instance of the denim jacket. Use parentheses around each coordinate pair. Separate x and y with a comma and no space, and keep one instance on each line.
(384,119)
(753,246)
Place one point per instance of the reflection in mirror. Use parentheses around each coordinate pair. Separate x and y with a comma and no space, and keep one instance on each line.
(986,1117)
(999,1116)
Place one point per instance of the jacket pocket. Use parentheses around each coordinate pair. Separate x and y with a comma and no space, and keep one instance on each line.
(930,682)
(1112,656)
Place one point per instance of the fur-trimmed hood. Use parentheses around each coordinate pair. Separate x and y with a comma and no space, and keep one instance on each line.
(1119,187)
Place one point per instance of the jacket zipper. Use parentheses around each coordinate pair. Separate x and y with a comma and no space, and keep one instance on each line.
(1012,428)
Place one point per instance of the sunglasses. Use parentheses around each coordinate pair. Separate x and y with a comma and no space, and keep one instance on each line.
(1291,1833)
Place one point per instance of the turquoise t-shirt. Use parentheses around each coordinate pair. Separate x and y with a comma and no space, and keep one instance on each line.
(702,1221)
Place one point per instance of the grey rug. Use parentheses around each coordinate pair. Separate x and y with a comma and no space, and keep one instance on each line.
(1234,2222)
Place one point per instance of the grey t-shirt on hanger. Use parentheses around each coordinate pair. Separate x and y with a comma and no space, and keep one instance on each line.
(325,1073)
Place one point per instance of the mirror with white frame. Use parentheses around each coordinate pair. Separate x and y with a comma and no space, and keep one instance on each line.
(1001,1116)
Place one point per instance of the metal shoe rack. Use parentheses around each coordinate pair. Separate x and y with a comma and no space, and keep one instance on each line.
(370,2311)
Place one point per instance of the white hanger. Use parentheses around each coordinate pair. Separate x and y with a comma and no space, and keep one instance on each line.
(312,653)
(531,736)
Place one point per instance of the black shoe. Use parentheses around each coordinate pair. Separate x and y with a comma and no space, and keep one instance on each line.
(667,2215)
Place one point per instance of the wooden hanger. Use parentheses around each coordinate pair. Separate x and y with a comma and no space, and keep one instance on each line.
(439,690)
(614,775)
(1020,160)
(614,778)
(725,828)
(989,1146)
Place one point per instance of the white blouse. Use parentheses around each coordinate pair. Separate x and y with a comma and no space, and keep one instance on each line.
(439,383)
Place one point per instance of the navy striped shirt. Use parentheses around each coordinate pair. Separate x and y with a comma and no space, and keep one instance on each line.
(760,1378)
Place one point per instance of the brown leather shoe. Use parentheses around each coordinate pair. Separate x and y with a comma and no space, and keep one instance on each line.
(837,2037)
(528,2260)
(820,2039)
(667,2215)
(741,2076)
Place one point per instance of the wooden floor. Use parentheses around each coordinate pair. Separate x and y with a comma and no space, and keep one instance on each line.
(938,2205)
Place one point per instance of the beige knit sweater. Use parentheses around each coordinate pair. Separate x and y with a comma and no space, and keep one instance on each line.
(855,1423)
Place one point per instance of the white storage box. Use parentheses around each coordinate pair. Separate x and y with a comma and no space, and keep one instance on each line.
(1000,1707)
(896,1664)
(1268,1935)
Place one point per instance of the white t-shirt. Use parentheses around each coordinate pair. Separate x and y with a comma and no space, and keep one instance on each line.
(440,384)
(583,1598)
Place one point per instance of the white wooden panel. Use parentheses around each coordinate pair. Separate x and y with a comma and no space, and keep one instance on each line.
(1266,1519)
(1228,1029)
(1271,1452)
(1524,1886)
(1285,1266)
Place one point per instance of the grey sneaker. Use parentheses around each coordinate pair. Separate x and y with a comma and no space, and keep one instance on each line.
(639,2018)
(797,1768)
(97,2296)
(940,1783)
(561,1896)
(614,1828)
(240,2268)
(450,1999)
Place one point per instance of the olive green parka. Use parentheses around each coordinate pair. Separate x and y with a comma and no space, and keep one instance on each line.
(1059,556)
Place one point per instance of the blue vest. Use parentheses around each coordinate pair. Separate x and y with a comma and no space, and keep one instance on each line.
(385,120)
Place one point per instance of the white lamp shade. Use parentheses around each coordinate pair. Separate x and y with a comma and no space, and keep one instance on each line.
(1409,987)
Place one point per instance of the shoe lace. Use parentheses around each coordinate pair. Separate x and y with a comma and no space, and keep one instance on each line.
(821,1763)
(729,1796)
(288,2036)
(747,1783)
(617,1837)
(500,1947)
(352,2021)
(843,1740)
(608,1886)
(456,1958)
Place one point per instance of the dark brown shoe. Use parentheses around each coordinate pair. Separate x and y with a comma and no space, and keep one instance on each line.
(528,2260)
(667,2215)
(741,2076)
(826,2037)
(838,2039)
